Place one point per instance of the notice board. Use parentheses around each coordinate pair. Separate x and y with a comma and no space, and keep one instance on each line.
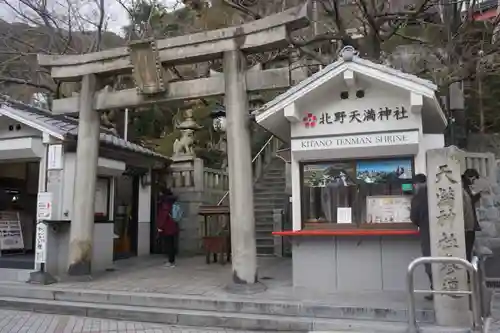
(388,209)
(11,235)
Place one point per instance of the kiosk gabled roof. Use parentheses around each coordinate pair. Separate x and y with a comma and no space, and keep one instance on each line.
(363,67)
(62,127)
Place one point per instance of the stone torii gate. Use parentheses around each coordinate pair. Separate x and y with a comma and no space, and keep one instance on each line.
(147,61)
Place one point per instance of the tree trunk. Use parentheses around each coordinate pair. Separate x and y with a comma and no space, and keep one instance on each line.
(482,127)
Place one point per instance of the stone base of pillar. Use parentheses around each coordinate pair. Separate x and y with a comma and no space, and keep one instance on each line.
(81,268)
(245,289)
(42,278)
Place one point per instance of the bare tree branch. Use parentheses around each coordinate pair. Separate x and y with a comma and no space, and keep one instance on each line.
(4,79)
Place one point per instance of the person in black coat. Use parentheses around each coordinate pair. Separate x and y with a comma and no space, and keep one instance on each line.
(468,178)
(419,215)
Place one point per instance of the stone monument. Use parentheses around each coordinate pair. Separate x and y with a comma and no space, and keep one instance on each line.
(444,169)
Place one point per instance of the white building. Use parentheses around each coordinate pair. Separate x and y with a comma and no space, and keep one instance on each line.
(358,133)
(37,163)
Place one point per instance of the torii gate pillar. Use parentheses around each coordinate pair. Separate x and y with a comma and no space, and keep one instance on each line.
(243,244)
(87,153)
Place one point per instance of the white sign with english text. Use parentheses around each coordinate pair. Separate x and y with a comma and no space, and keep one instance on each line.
(356,141)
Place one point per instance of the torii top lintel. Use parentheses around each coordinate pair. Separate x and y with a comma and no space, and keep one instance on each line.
(262,35)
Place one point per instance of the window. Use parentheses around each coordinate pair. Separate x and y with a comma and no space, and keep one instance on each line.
(102,199)
(366,191)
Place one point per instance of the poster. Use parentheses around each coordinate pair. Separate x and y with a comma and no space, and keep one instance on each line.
(55,157)
(383,171)
(329,174)
(41,243)
(388,209)
(101,197)
(44,206)
(344,215)
(11,235)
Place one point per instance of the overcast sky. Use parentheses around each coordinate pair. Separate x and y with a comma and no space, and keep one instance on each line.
(116,15)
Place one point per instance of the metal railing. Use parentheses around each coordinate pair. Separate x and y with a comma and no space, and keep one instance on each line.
(257,161)
(485,294)
(477,325)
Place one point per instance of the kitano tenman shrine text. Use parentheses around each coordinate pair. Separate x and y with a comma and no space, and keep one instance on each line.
(355,140)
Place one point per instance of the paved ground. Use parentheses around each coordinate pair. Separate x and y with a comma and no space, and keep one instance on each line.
(29,322)
(195,278)
(495,313)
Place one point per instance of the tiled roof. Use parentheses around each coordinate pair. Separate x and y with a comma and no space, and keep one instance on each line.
(62,126)
(333,67)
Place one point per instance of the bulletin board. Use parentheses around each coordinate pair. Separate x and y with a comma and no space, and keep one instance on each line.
(388,209)
(11,234)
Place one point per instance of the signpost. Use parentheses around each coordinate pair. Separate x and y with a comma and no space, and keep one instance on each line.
(43,214)
(41,243)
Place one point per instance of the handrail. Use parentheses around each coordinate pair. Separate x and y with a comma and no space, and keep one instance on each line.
(476,312)
(262,149)
(268,142)
(483,292)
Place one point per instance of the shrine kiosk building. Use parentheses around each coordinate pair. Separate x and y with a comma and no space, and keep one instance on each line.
(358,133)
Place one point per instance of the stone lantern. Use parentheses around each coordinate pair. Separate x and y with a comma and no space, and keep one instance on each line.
(184,146)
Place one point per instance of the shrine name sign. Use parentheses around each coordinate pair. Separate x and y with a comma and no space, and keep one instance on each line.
(351,141)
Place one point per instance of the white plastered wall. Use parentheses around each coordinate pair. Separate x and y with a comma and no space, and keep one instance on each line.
(144,219)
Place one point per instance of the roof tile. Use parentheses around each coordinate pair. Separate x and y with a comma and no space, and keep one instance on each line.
(65,126)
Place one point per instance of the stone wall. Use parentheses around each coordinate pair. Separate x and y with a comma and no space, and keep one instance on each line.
(489,218)
(194,185)
(485,143)
(489,210)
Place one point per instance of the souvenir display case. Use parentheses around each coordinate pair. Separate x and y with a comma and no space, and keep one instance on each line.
(371,193)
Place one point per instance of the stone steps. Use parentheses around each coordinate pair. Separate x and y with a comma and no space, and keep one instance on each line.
(15,275)
(265,241)
(265,250)
(205,318)
(240,314)
(264,232)
(272,199)
(271,184)
(228,312)
(269,194)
